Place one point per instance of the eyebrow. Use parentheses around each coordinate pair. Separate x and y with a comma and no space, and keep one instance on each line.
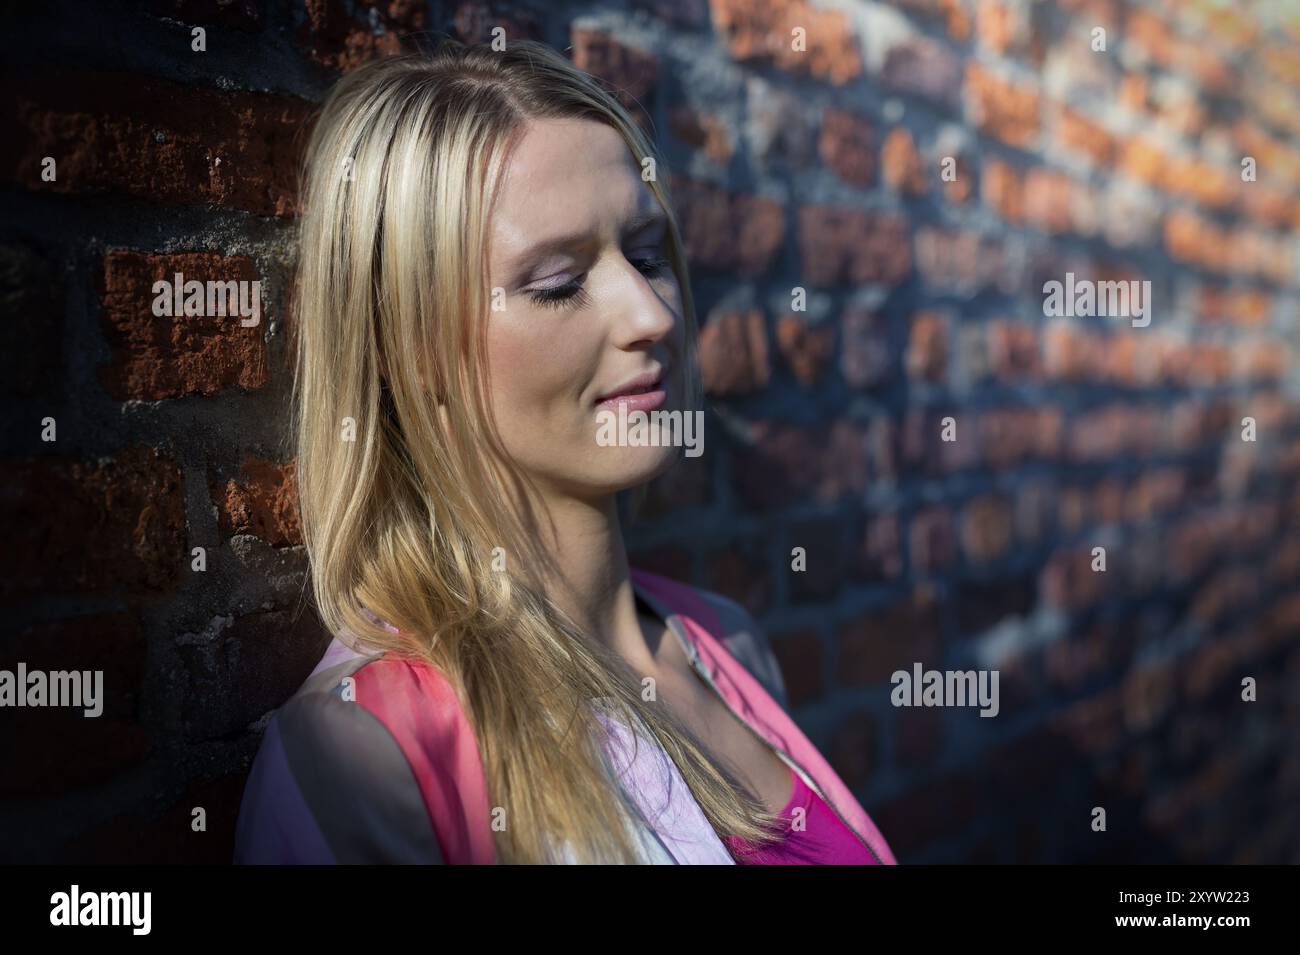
(521,263)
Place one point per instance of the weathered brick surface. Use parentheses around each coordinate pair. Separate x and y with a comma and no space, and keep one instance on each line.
(152,139)
(913,172)
(173,355)
(261,500)
(93,526)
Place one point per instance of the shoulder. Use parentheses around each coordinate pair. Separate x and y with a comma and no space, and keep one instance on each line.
(728,620)
(347,767)
(745,640)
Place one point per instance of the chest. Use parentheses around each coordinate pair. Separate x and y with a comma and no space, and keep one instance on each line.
(733,747)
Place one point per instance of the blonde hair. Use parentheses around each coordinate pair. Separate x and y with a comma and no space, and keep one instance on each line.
(401,521)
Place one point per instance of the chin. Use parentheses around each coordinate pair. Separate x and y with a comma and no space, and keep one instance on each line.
(626,468)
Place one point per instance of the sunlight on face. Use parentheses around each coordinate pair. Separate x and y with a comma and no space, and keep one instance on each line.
(577,245)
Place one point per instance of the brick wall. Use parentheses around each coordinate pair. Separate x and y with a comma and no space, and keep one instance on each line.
(919,170)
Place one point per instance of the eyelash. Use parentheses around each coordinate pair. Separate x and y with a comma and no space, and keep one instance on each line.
(573,292)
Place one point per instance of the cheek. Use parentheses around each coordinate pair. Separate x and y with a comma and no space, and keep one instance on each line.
(537,372)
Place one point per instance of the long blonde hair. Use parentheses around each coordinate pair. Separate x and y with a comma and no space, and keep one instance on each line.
(397,492)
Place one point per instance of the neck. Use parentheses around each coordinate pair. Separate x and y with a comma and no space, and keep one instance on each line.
(590,580)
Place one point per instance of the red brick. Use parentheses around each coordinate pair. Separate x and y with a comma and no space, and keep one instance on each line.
(761,30)
(876,644)
(1047,198)
(262,501)
(1069,582)
(847,146)
(1000,108)
(1073,505)
(1012,435)
(337,39)
(986,528)
(923,449)
(154,140)
(1142,159)
(1148,31)
(1108,501)
(961,186)
(727,232)
(901,164)
(793,464)
(707,133)
(156,357)
(1078,133)
(740,570)
(733,353)
(1013,350)
(1153,493)
(927,347)
(1226,591)
(838,245)
(1002,188)
(112,525)
(805,349)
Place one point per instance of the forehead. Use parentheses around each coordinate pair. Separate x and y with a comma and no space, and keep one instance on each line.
(565,173)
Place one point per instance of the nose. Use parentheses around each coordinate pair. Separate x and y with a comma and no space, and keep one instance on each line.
(642,318)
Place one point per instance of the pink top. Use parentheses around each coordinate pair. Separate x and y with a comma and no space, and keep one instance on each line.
(821,838)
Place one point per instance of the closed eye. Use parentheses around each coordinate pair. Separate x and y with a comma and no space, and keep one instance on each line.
(555,297)
(573,291)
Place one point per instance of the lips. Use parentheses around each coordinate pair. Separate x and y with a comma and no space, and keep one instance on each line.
(644,383)
(645,392)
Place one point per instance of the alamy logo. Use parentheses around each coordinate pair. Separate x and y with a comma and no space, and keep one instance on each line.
(212,299)
(924,687)
(102,908)
(641,429)
(1087,299)
(84,688)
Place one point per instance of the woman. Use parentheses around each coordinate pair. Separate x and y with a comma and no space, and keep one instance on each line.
(488,266)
